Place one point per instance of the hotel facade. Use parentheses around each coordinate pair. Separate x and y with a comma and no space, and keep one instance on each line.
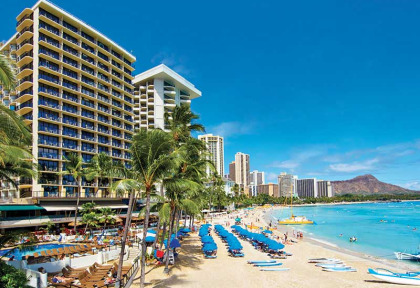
(215,148)
(76,93)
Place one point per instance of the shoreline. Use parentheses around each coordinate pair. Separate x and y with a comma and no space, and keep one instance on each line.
(397,264)
(340,203)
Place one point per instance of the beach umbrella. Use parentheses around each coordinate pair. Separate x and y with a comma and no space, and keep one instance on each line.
(175,243)
(185,230)
(238,219)
(209,247)
(151,231)
(150,239)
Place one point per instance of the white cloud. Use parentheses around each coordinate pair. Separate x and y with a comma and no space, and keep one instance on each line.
(287,164)
(355,166)
(271,177)
(412,185)
(173,61)
(231,129)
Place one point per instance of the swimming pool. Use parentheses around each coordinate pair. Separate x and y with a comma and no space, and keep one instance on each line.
(35,249)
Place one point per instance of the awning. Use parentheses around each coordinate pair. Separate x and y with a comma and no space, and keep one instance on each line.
(51,208)
(20,207)
(120,206)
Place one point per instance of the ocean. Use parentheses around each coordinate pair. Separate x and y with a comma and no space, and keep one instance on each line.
(380,228)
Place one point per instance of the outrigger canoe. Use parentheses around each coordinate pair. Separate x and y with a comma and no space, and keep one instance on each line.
(275,269)
(268,265)
(409,278)
(261,262)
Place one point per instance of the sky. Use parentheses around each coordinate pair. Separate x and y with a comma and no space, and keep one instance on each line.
(325,89)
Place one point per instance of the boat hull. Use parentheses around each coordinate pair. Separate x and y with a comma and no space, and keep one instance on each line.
(395,278)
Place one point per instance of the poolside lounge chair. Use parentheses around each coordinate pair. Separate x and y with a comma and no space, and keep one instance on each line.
(36,255)
(43,253)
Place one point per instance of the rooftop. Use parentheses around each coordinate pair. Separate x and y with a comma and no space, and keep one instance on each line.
(164,72)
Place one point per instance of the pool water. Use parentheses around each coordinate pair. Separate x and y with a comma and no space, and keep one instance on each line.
(35,249)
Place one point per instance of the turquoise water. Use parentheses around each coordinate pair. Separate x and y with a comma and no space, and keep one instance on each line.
(399,231)
(38,248)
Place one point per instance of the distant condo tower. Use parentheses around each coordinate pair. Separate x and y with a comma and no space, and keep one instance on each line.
(256,178)
(215,148)
(158,91)
(232,171)
(312,188)
(242,169)
(287,184)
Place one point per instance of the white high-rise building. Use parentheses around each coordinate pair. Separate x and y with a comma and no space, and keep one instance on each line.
(215,147)
(255,178)
(287,184)
(159,90)
(242,169)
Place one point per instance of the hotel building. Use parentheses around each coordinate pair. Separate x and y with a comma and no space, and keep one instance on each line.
(255,178)
(232,171)
(287,184)
(75,92)
(270,189)
(313,188)
(242,169)
(215,147)
(157,91)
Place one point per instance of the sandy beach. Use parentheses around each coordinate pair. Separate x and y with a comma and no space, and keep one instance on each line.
(193,270)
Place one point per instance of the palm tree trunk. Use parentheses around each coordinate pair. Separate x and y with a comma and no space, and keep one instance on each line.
(168,244)
(125,234)
(143,244)
(163,235)
(79,188)
(157,235)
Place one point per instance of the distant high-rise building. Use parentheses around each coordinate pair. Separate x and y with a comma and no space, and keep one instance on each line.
(232,171)
(325,189)
(269,189)
(313,188)
(242,169)
(215,148)
(307,188)
(256,178)
(287,184)
(158,91)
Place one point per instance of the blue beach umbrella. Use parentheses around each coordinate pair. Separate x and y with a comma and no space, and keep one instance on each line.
(151,231)
(185,230)
(209,247)
(150,239)
(175,244)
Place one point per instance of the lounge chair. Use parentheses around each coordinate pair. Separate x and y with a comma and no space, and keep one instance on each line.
(36,255)
(43,253)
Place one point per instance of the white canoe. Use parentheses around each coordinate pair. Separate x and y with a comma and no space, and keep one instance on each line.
(340,269)
(262,262)
(396,278)
(325,261)
(407,256)
(275,269)
(330,265)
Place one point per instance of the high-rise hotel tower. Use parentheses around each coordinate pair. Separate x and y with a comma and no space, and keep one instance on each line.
(215,148)
(157,91)
(75,92)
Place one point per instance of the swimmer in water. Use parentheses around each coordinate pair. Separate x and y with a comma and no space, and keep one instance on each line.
(341,235)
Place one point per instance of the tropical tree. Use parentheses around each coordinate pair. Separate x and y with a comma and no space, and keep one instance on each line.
(129,185)
(180,123)
(15,140)
(106,216)
(74,166)
(103,167)
(7,72)
(152,161)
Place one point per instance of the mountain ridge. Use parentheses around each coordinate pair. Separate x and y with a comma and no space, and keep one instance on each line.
(367,184)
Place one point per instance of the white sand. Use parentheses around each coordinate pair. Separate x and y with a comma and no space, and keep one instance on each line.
(193,270)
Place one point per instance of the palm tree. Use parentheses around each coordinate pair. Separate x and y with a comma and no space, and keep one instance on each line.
(104,167)
(106,216)
(7,72)
(180,125)
(74,167)
(152,161)
(15,141)
(187,179)
(126,185)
